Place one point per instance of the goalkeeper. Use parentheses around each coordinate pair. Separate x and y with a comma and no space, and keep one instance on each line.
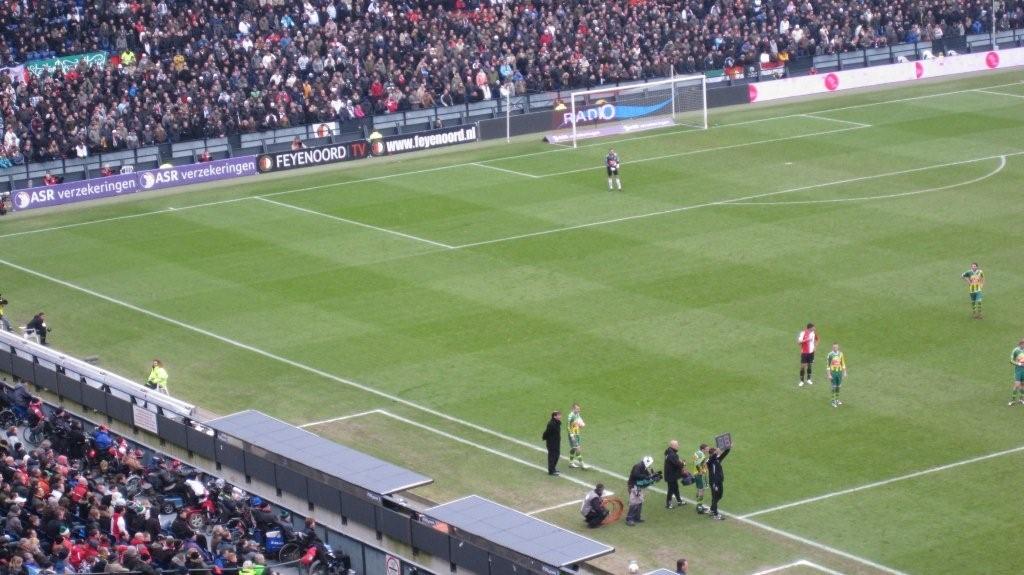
(611,162)
(576,425)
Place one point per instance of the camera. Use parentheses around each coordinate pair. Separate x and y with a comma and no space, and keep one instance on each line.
(657,476)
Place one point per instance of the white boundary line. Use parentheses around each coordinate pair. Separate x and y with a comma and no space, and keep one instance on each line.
(715,149)
(506,170)
(512,157)
(559,506)
(800,563)
(999,168)
(858,124)
(997,93)
(914,475)
(354,222)
(341,418)
(414,405)
(739,200)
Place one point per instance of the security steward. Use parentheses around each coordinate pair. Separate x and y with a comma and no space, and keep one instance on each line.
(158,377)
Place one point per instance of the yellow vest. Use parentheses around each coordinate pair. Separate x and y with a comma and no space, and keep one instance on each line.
(158,377)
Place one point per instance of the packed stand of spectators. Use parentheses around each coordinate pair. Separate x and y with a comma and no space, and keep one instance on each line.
(80,501)
(208,68)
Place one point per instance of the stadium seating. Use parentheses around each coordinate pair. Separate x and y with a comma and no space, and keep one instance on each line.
(178,71)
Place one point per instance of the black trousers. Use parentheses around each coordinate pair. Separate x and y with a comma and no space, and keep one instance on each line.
(717,491)
(553,454)
(673,491)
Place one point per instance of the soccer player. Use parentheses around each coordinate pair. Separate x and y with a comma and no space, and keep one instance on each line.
(1017,359)
(808,340)
(612,163)
(837,371)
(576,425)
(700,474)
(975,280)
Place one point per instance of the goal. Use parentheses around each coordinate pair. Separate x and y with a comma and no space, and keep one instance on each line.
(681,100)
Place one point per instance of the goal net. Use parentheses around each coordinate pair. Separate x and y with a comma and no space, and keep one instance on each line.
(607,111)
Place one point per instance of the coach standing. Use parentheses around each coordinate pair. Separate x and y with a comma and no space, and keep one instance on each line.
(673,473)
(717,479)
(553,438)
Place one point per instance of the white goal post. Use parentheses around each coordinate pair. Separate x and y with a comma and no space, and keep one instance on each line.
(680,100)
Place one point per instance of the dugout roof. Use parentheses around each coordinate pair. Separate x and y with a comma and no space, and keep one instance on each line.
(289,442)
(518,531)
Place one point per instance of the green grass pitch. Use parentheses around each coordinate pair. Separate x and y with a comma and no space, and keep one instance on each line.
(469,292)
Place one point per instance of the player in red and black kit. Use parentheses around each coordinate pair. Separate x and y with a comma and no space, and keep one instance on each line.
(808,340)
(612,163)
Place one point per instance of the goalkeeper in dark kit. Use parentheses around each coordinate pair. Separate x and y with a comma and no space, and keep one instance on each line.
(611,162)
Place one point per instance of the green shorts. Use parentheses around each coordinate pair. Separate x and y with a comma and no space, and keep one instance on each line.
(976,296)
(1018,373)
(837,377)
(575,441)
(699,481)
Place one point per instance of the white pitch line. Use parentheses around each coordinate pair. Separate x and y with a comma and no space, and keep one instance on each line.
(512,157)
(780,568)
(999,168)
(997,93)
(709,150)
(125,217)
(559,506)
(342,418)
(914,475)
(506,170)
(354,222)
(477,445)
(821,568)
(800,563)
(739,200)
(859,124)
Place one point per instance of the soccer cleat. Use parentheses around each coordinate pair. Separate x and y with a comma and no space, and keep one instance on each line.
(834,403)
(839,401)
(680,503)
(669,506)
(809,382)
(1012,402)
(801,384)
(717,516)
(574,464)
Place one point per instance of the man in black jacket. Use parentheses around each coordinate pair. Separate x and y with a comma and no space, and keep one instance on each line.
(716,476)
(38,324)
(673,473)
(553,438)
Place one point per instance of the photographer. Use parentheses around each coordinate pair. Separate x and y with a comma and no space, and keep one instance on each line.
(640,477)
(38,325)
(593,509)
(4,323)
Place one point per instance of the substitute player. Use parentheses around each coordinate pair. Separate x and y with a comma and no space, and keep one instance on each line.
(808,340)
(576,425)
(1017,359)
(837,371)
(700,474)
(975,280)
(612,163)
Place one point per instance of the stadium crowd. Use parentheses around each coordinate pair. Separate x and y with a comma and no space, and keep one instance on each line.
(79,501)
(181,70)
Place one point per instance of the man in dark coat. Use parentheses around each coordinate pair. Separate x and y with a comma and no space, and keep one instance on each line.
(553,438)
(673,473)
(716,476)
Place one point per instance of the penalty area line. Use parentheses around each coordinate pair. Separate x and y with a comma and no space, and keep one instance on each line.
(341,418)
(891,480)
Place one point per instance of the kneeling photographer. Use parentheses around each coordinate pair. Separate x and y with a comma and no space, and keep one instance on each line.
(593,508)
(641,477)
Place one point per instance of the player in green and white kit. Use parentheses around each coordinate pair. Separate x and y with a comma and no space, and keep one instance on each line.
(700,474)
(836,365)
(1017,359)
(576,425)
